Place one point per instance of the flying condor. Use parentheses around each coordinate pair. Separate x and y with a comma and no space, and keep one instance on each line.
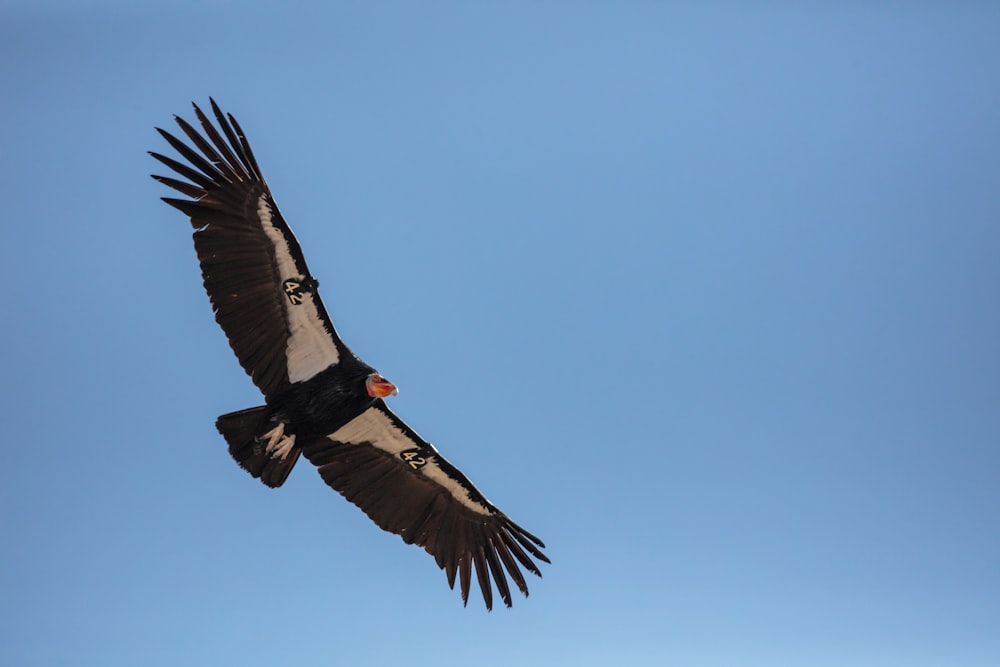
(321,400)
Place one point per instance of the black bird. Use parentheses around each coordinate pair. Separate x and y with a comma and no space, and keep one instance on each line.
(321,400)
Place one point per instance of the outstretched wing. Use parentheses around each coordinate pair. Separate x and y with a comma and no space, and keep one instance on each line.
(263,295)
(406,487)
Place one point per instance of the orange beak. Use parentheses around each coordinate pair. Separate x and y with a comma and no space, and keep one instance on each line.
(379,387)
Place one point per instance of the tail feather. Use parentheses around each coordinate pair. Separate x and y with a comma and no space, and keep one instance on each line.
(245,431)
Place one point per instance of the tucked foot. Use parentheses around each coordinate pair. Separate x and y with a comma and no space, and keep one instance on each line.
(278,444)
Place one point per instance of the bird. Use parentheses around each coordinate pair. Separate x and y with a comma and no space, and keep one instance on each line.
(321,401)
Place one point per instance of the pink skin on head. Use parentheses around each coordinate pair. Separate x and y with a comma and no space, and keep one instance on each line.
(378,387)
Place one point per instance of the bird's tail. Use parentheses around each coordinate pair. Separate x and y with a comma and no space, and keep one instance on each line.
(260,446)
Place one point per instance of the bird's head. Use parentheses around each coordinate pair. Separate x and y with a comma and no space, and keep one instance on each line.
(378,387)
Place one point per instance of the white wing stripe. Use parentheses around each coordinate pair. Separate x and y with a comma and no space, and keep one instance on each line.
(309,349)
(374,426)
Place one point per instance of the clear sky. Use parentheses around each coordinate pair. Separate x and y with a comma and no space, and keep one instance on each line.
(706,296)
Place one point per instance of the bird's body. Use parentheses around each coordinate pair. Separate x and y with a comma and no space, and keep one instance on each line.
(321,400)
(323,403)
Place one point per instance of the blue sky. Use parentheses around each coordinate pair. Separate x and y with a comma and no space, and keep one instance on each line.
(704,295)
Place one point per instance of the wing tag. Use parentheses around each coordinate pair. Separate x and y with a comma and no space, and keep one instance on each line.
(416,457)
(295,288)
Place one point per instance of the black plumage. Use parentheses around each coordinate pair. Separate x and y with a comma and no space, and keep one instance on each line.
(321,400)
